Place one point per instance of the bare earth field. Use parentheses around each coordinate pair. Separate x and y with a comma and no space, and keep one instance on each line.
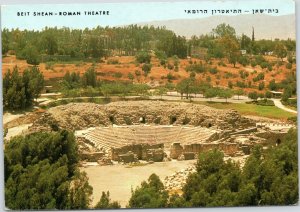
(119,179)
(127,64)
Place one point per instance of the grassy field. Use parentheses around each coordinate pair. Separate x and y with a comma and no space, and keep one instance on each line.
(252,109)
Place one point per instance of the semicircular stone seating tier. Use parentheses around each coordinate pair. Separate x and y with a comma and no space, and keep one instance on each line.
(118,136)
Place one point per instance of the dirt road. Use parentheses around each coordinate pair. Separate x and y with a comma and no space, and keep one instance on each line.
(119,180)
(278,104)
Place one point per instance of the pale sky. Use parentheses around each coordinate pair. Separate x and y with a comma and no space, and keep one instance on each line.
(126,13)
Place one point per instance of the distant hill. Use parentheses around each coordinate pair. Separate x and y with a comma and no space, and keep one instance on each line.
(265,26)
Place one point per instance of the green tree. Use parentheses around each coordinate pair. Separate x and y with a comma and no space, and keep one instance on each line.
(253,95)
(143,57)
(49,42)
(280,51)
(146,68)
(210,93)
(5,41)
(184,87)
(36,82)
(273,86)
(261,86)
(215,183)
(225,94)
(105,202)
(14,91)
(268,95)
(161,91)
(239,93)
(89,78)
(231,46)
(80,191)
(31,55)
(41,171)
(150,194)
(223,30)
(130,77)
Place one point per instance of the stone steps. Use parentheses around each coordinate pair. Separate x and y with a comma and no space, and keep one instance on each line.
(107,137)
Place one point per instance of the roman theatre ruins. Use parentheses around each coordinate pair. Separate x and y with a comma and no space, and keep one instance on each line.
(154,131)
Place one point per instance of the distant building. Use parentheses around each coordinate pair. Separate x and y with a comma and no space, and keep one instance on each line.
(269,53)
(292,54)
(198,52)
(243,51)
(276,94)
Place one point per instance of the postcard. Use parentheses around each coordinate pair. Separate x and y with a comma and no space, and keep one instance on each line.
(149,105)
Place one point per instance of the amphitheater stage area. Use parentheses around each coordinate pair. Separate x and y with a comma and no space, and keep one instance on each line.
(119,179)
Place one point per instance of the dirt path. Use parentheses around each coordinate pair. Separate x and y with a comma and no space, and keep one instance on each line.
(119,180)
(278,104)
(8,117)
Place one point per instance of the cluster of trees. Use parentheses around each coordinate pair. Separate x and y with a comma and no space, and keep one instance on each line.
(191,86)
(268,177)
(20,90)
(41,173)
(74,85)
(73,80)
(223,42)
(67,44)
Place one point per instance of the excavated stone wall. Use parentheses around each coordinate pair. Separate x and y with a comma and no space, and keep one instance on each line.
(177,150)
(76,116)
(142,151)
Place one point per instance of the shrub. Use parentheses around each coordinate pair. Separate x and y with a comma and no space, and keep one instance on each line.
(253,95)
(221,63)
(264,65)
(143,57)
(259,59)
(163,62)
(268,95)
(228,75)
(49,65)
(259,77)
(293,119)
(170,77)
(244,60)
(213,70)
(113,61)
(146,68)
(273,86)
(240,84)
(289,66)
(208,79)
(230,84)
(265,102)
(117,75)
(198,68)
(270,68)
(243,74)
(253,63)
(261,86)
(170,66)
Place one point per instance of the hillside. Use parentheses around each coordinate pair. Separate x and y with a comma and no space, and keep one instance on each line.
(159,74)
(266,27)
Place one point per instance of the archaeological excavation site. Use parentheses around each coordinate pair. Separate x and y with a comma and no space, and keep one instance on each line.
(155,131)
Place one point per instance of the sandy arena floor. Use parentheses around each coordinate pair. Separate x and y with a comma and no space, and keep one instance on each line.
(118,180)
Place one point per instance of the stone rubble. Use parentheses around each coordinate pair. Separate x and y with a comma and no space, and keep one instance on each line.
(177,180)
